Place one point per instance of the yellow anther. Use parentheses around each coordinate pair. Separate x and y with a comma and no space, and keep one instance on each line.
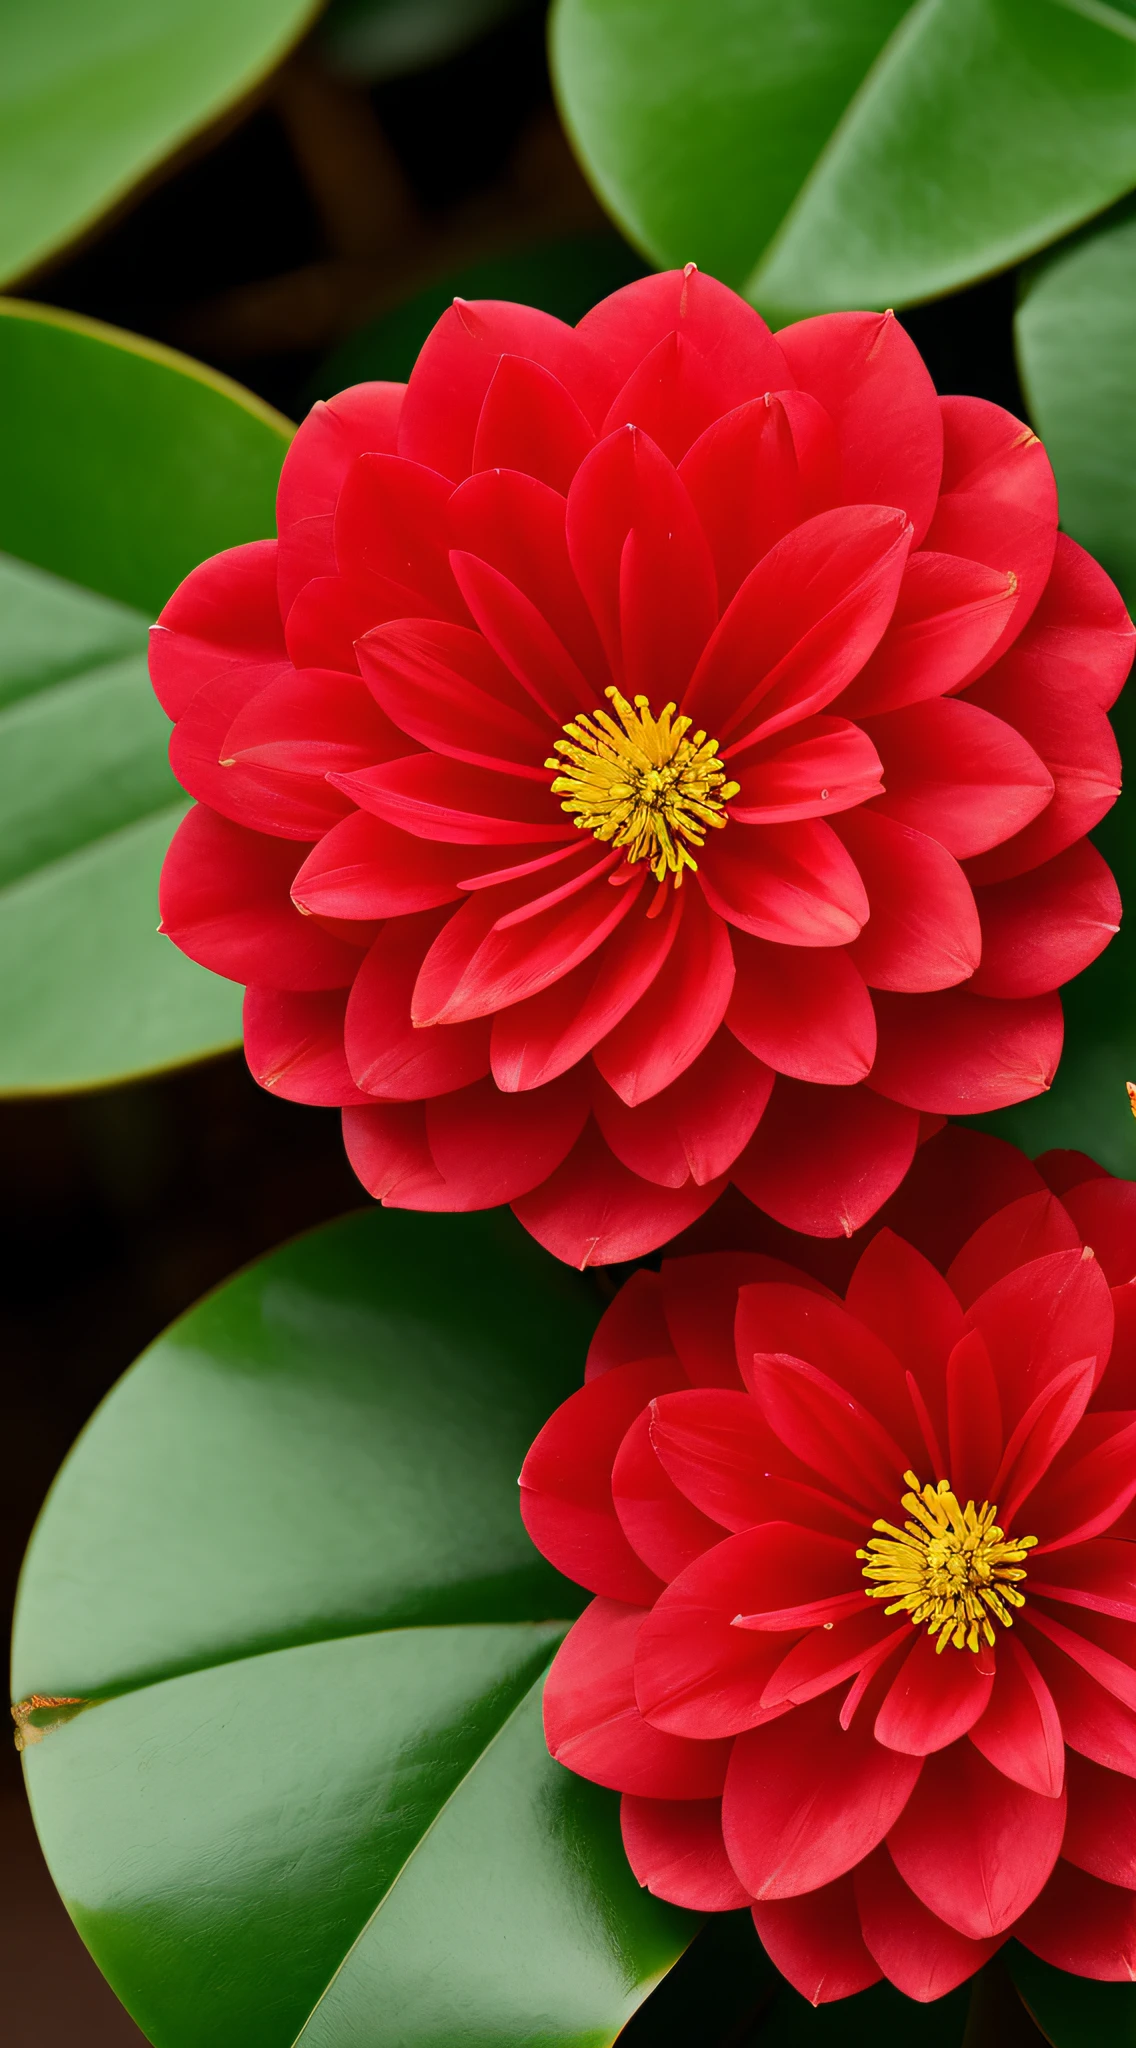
(950,1566)
(642,784)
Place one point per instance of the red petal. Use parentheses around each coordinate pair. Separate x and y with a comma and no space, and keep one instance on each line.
(224,900)
(1099,1574)
(735,340)
(484,960)
(975,1436)
(593,1212)
(806,1800)
(1100,1831)
(198,742)
(1093,1691)
(566,1496)
(821,766)
(592,1724)
(908,1305)
(802,624)
(388,1151)
(793,884)
(1030,1228)
(1084,1926)
(1042,928)
(832,1652)
(657,1040)
(444,686)
(918,1953)
(516,526)
(933,1699)
(745,477)
(697,1674)
(809,1323)
(823,1160)
(535,1040)
(355,422)
(456,366)
(975,1847)
(676,1850)
(1077,745)
(948,615)
(332,612)
(815,1941)
(436,798)
(633,1327)
(824,1426)
(957,772)
(1041,1318)
(923,931)
(1089,1484)
(802,1010)
(661,1526)
(694,1129)
(871,379)
(494,1148)
(998,501)
(955,1053)
(653,596)
(224,615)
(391,538)
(294,1045)
(1104,1211)
(716,1446)
(1020,1731)
(1081,626)
(530,421)
(676,392)
(701,1296)
(364,868)
(284,742)
(387,1055)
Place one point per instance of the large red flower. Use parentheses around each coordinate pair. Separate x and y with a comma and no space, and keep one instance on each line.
(654,752)
(863,1655)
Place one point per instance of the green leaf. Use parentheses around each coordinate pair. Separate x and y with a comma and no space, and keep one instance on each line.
(565,278)
(1074,2012)
(820,155)
(386,38)
(1074,337)
(93,97)
(285,1561)
(121,466)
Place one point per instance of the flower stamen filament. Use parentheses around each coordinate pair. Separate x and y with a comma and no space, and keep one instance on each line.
(642,785)
(950,1566)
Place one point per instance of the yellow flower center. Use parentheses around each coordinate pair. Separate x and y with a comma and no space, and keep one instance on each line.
(642,784)
(949,1566)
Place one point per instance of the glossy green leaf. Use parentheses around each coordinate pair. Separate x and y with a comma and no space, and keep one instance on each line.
(565,278)
(1074,2012)
(121,466)
(821,155)
(1074,329)
(93,97)
(312,1800)
(384,38)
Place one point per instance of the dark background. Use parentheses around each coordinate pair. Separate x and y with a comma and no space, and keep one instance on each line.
(311,212)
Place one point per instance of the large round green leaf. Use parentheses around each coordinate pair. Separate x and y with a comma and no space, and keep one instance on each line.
(92,97)
(311,1800)
(121,466)
(819,154)
(1076,327)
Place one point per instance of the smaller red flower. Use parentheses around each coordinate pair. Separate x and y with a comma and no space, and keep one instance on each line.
(863,1652)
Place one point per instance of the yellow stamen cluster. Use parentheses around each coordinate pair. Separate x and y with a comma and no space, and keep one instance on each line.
(642,784)
(949,1566)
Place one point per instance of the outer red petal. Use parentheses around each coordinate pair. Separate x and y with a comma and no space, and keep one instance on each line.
(815,1941)
(494,1148)
(948,615)
(387,1056)
(566,1497)
(391,539)
(1084,1926)
(751,481)
(676,1850)
(1020,1731)
(530,421)
(659,1523)
(593,1212)
(361,420)
(998,501)
(822,1161)
(726,331)
(224,900)
(224,615)
(958,772)
(457,364)
(923,932)
(802,1010)
(918,1953)
(1042,928)
(794,884)
(975,1847)
(388,1151)
(632,1327)
(717,1447)
(365,868)
(1104,1211)
(694,1129)
(592,1724)
(871,379)
(294,1045)
(957,1053)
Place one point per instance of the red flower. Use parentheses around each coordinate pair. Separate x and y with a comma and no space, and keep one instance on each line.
(598,810)
(864,1651)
